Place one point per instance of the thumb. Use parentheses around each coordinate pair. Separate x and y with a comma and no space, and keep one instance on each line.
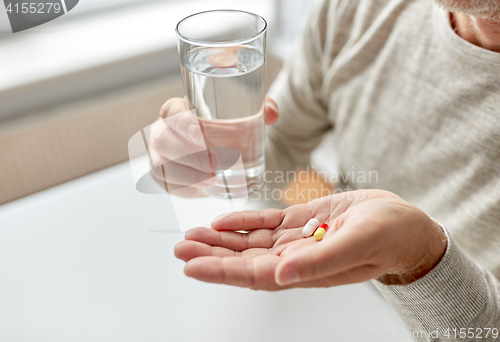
(341,251)
(176,114)
(270,111)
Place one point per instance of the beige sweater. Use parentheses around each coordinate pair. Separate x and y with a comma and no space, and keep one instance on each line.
(408,98)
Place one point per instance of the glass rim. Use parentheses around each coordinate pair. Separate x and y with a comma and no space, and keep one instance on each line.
(226,43)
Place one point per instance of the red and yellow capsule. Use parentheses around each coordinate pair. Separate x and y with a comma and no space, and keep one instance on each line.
(320,232)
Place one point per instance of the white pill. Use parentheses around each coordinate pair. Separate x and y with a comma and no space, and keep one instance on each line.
(310,227)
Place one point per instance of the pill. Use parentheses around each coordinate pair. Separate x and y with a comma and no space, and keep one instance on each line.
(310,227)
(319,233)
(324,226)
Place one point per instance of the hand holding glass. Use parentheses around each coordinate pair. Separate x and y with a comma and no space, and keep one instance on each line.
(223,65)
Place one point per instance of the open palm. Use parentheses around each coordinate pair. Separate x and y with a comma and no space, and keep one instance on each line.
(245,248)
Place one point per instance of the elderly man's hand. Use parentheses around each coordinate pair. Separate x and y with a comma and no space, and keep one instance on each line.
(178,148)
(373,234)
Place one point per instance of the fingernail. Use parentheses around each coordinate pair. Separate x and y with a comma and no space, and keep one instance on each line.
(220,217)
(273,106)
(288,276)
(193,131)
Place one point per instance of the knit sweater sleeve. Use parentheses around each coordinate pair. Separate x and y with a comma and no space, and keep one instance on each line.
(455,301)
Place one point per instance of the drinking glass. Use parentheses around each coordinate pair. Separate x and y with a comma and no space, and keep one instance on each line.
(223,64)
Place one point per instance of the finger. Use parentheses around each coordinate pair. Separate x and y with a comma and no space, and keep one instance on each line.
(262,238)
(172,146)
(256,273)
(181,190)
(291,239)
(271,114)
(186,191)
(186,124)
(183,181)
(187,250)
(184,175)
(180,119)
(249,220)
(336,253)
(173,106)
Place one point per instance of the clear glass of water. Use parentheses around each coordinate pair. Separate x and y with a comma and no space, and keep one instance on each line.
(223,63)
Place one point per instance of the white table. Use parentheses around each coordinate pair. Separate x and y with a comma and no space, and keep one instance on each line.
(79,262)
